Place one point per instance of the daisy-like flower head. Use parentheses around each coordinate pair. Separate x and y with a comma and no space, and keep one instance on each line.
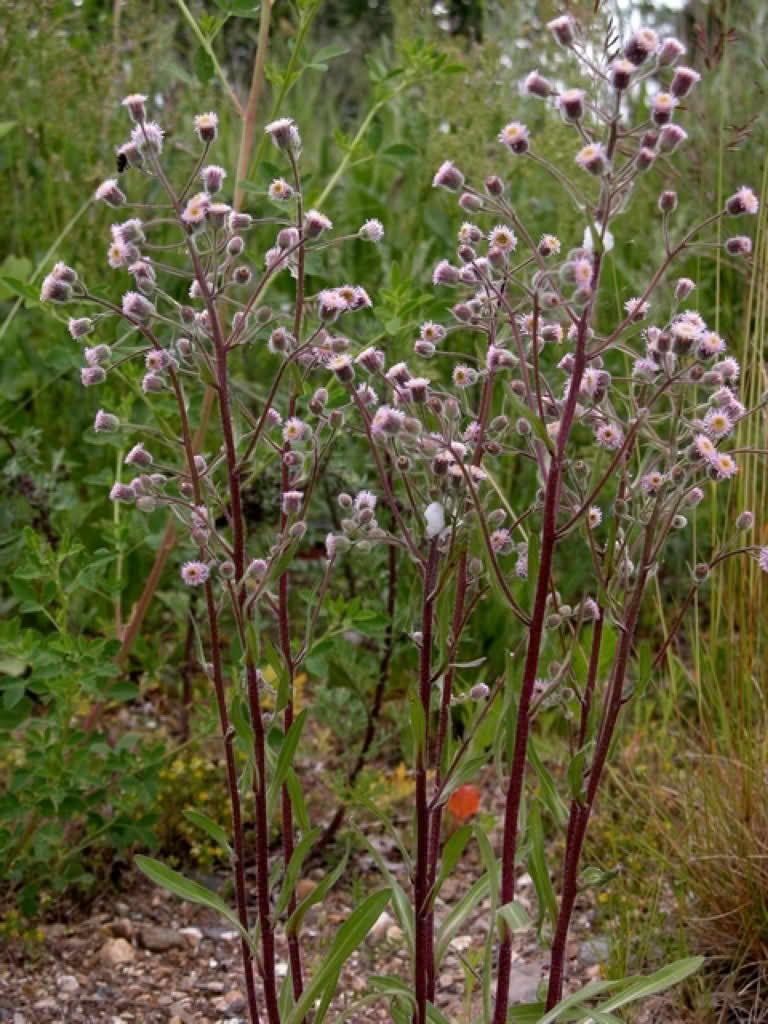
(516,137)
(330,303)
(295,430)
(195,211)
(709,344)
(762,559)
(724,466)
(593,158)
(728,369)
(743,201)
(207,126)
(157,359)
(285,135)
(464,376)
(594,517)
(704,448)
(652,482)
(718,423)
(609,436)
(549,245)
(663,107)
(636,309)
(371,231)
(430,331)
(120,254)
(148,136)
(501,542)
(503,238)
(581,270)
(279,190)
(194,574)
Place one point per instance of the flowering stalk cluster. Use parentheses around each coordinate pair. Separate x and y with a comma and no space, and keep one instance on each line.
(626,421)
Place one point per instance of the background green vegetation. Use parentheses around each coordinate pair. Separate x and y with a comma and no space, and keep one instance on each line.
(79,792)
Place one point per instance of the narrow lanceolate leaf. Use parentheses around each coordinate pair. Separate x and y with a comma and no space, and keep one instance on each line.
(284,761)
(214,830)
(176,883)
(348,938)
(514,916)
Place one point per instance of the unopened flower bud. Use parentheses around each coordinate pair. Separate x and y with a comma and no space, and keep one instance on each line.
(701,572)
(562,29)
(571,103)
(672,135)
(668,201)
(745,521)
(146,503)
(683,82)
(91,375)
(449,177)
(336,419)
(469,202)
(297,530)
(423,349)
(671,49)
(151,382)
(105,422)
(227,570)
(739,245)
(123,493)
(683,288)
(241,275)
(479,691)
(494,186)
(645,158)
(640,46)
(235,245)
(621,74)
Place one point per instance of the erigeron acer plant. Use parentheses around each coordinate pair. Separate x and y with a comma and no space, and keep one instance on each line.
(626,420)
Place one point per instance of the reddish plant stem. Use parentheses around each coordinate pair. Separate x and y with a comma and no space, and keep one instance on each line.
(535,636)
(580,812)
(423,944)
(238,866)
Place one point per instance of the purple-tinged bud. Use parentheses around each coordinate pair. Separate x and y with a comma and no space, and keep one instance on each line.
(462,312)
(371,231)
(200,464)
(535,84)
(423,349)
(138,456)
(445,273)
(342,366)
(621,74)
(683,288)
(79,327)
(297,530)
(279,190)
(158,480)
(318,401)
(684,81)
(592,158)
(516,137)
(130,154)
(90,375)
(279,341)
(344,500)
(213,178)
(217,214)
(739,245)
(469,202)
(108,192)
(330,304)
(641,45)
(671,49)
(497,257)
(494,186)
(466,254)
(135,106)
(274,419)
(742,201)
(97,355)
(239,221)
(227,570)
(55,290)
(152,383)
(479,691)
(562,29)
(207,126)
(241,275)
(257,569)
(745,521)
(387,422)
(285,135)
(130,231)
(122,492)
(146,503)
(668,201)
(448,176)
(662,108)
(398,374)
(694,497)
(235,245)
(315,223)
(184,347)
(292,502)
(672,135)
(571,103)
(137,306)
(287,238)
(105,423)
(417,388)
(701,572)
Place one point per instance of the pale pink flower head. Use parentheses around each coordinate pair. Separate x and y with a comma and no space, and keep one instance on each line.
(743,201)
(724,466)
(739,245)
(138,456)
(315,223)
(110,193)
(671,49)
(137,306)
(54,289)
(464,376)
(717,423)
(704,447)
(105,422)
(563,29)
(285,135)
(709,344)
(548,245)
(387,422)
(502,238)
(92,375)
(683,288)
(79,327)
(593,158)
(448,176)
(672,136)
(762,559)
(594,517)
(213,178)
(535,84)
(135,105)
(122,492)
(207,126)
(295,430)
(516,137)
(610,436)
(641,45)
(148,136)
(663,107)
(684,81)
(621,74)
(430,331)
(195,574)
(636,308)
(371,231)
(446,273)
(571,104)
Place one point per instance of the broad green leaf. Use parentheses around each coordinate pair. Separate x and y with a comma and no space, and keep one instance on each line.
(176,883)
(348,938)
(214,830)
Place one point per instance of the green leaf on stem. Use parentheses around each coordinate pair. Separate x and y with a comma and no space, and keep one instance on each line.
(348,938)
(318,893)
(458,915)
(193,892)
(214,830)
(449,858)
(537,867)
(548,794)
(513,916)
(284,761)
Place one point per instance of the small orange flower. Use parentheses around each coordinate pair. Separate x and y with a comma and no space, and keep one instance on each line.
(464,802)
